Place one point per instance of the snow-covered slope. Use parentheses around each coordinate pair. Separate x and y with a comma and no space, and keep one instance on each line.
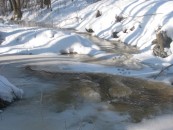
(144,16)
(141,19)
(43,41)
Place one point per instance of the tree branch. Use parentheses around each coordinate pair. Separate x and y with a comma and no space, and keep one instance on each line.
(163,69)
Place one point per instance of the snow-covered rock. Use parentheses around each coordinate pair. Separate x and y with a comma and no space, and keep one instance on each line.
(8,92)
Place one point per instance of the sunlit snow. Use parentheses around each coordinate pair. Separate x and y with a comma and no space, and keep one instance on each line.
(141,19)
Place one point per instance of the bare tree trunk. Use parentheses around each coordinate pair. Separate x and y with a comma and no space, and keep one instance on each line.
(2,7)
(41,4)
(11,5)
(18,4)
(23,4)
(17,9)
(48,3)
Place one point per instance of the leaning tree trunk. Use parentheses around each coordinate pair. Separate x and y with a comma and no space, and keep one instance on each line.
(17,9)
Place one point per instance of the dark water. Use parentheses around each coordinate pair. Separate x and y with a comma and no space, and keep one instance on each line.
(110,46)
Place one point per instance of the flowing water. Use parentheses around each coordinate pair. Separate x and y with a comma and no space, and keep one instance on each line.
(66,99)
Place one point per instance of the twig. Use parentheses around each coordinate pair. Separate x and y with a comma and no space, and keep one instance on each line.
(41,97)
(65,125)
(1,118)
(163,69)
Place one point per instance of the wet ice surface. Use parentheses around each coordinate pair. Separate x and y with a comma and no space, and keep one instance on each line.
(38,111)
(54,99)
(61,95)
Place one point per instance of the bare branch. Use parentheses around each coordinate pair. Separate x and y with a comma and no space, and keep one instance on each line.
(163,69)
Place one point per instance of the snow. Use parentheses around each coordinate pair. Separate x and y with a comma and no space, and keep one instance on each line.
(8,92)
(138,28)
(144,16)
(159,123)
(43,41)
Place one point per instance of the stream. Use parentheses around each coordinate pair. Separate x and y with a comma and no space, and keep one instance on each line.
(58,95)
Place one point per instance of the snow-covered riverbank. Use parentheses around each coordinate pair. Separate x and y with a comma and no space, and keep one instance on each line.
(138,28)
(41,48)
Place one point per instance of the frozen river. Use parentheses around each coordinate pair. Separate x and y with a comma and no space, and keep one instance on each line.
(62,93)
(83,92)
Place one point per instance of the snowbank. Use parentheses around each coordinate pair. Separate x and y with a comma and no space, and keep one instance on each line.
(137,28)
(141,18)
(44,41)
(159,123)
(8,92)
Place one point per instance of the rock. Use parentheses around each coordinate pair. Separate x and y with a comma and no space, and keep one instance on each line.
(114,35)
(90,94)
(3,104)
(1,39)
(67,51)
(98,14)
(157,52)
(162,41)
(132,28)
(125,30)
(89,30)
(154,41)
(89,91)
(120,91)
(118,18)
